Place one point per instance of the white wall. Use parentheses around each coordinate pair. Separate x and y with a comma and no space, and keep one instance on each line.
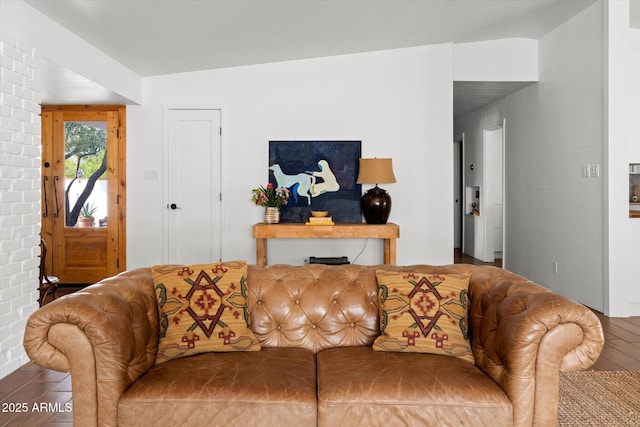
(634,95)
(552,128)
(634,157)
(513,59)
(622,94)
(580,112)
(19,196)
(397,102)
(557,128)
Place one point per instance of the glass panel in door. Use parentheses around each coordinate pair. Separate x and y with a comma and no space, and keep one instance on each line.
(85,177)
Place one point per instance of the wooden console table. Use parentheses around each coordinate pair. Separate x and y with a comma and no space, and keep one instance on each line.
(388,232)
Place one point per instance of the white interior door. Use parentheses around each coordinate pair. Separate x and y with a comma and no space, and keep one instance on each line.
(457,194)
(194,208)
(494,181)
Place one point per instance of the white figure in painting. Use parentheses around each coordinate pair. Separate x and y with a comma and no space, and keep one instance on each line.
(329,182)
(309,184)
(300,184)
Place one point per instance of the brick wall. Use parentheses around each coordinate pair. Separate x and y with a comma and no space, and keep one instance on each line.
(20,151)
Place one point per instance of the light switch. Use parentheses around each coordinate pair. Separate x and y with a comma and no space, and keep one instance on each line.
(151,175)
(594,171)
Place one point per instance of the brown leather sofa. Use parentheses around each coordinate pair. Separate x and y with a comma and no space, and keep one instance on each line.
(316,325)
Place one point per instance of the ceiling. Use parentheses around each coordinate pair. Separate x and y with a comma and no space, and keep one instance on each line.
(155,37)
(469,96)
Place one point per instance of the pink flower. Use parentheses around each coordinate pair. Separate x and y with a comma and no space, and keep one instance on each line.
(270,196)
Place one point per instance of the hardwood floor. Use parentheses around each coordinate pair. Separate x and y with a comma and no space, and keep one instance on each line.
(32,396)
(461,258)
(50,391)
(621,344)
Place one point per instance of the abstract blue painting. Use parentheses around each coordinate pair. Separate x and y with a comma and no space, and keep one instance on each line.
(321,176)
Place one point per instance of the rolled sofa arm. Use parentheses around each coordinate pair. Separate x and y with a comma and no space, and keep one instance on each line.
(105,334)
(523,335)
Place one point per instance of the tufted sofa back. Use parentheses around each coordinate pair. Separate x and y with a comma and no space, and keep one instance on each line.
(318,306)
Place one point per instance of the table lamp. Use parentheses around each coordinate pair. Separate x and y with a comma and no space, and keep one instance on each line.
(376,202)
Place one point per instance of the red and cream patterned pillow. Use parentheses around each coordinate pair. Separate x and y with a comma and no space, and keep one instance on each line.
(202,308)
(424,313)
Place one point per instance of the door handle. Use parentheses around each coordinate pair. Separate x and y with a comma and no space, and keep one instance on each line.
(45,214)
(173,206)
(55,195)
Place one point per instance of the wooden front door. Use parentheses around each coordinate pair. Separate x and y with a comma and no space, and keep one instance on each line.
(83,191)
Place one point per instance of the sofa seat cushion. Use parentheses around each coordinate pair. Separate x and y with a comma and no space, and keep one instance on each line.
(359,386)
(274,386)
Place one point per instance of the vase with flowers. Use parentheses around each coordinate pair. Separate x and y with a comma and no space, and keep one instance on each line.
(272,199)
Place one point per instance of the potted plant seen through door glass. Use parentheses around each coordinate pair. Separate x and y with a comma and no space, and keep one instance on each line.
(86,219)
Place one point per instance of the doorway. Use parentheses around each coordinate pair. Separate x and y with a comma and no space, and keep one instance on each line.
(479,172)
(194,190)
(83,191)
(493,177)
